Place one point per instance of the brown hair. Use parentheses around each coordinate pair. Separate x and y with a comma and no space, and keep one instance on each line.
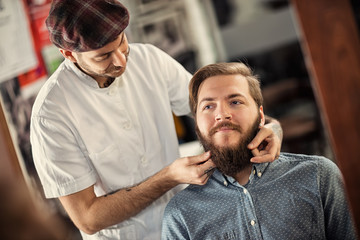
(216,69)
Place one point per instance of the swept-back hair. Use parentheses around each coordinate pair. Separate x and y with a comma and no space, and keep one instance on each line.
(232,68)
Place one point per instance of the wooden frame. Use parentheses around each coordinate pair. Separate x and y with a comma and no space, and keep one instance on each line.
(331,46)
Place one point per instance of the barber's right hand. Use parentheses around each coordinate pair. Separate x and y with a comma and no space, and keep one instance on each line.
(192,170)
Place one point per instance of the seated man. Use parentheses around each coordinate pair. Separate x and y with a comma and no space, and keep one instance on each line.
(294,197)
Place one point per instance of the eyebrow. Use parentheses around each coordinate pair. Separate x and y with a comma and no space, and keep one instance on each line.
(234,95)
(106,53)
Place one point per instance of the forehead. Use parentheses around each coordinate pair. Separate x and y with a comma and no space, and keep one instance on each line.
(217,86)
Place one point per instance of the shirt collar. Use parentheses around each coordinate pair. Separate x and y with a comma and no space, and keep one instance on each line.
(82,76)
(257,171)
(86,79)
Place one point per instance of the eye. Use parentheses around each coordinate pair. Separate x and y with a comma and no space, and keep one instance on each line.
(236,102)
(102,58)
(207,107)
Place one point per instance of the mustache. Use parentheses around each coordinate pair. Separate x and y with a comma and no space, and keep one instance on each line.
(224,124)
(113,68)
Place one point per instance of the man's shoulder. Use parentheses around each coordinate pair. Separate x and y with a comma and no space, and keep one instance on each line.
(143,46)
(305,160)
(295,157)
(146,52)
(53,91)
(195,193)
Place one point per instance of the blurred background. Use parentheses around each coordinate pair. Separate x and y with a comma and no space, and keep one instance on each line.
(262,33)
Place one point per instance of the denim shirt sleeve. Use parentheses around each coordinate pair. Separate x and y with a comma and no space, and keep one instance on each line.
(338,220)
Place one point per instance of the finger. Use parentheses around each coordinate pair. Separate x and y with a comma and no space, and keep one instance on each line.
(206,176)
(208,172)
(262,158)
(273,149)
(199,158)
(207,166)
(255,152)
(203,180)
(259,138)
(267,155)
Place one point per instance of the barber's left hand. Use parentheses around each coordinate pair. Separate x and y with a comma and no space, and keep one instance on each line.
(267,144)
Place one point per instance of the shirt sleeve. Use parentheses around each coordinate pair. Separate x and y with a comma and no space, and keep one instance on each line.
(61,165)
(172,225)
(337,215)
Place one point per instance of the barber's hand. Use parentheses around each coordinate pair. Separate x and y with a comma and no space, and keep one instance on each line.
(267,144)
(192,170)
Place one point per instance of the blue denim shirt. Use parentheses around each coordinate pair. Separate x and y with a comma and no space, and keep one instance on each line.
(295,197)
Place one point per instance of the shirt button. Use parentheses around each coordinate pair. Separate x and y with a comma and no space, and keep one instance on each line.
(127,125)
(112,92)
(259,174)
(254,172)
(245,191)
(143,160)
(252,222)
(225,183)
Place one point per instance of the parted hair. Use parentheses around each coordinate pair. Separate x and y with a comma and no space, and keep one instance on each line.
(216,69)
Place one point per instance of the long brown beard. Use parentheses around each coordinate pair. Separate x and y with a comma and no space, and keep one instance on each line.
(231,160)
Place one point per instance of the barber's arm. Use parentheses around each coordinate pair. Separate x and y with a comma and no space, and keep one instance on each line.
(92,214)
(267,143)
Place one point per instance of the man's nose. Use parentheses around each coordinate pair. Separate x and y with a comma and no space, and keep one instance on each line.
(119,58)
(223,114)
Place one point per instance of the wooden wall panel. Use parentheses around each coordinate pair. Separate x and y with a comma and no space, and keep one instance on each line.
(331,46)
(9,165)
(21,218)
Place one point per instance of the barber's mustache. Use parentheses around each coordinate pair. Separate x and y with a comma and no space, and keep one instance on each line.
(224,124)
(113,68)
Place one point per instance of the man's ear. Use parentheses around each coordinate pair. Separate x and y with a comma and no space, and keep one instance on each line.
(68,55)
(262,116)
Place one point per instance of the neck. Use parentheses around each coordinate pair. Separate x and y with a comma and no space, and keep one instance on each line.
(103,82)
(242,177)
(106,83)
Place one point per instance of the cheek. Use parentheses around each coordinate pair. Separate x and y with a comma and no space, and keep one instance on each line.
(204,123)
(246,119)
(102,67)
(98,66)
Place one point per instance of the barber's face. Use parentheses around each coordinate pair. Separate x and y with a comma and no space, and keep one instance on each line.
(226,112)
(108,61)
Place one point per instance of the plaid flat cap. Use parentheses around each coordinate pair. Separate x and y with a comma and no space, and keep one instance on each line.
(85,25)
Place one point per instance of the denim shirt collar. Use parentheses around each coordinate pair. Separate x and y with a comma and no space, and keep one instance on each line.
(257,171)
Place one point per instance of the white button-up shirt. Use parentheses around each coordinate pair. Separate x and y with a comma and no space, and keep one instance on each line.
(112,137)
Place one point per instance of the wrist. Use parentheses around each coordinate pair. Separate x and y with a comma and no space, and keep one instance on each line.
(168,176)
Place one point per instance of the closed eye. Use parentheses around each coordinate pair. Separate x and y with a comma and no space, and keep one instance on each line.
(102,58)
